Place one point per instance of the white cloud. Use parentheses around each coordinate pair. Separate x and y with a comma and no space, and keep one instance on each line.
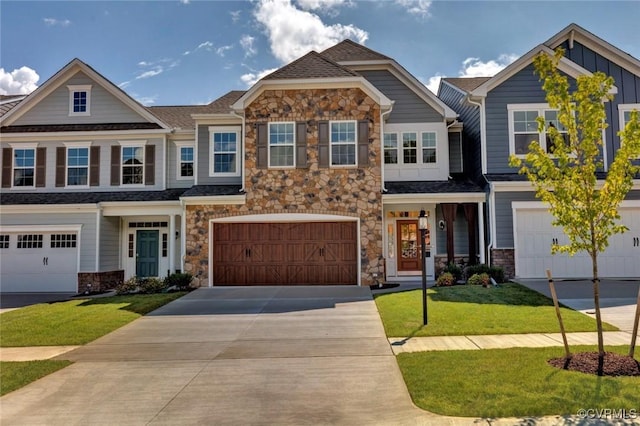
(474,67)
(419,8)
(434,83)
(185,1)
(328,7)
(151,73)
(235,15)
(293,32)
(206,45)
(124,84)
(50,22)
(21,81)
(222,49)
(247,44)
(252,78)
(145,100)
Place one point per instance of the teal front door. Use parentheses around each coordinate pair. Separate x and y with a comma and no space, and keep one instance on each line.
(147,254)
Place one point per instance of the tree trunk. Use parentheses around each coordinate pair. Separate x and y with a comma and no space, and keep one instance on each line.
(636,320)
(552,287)
(596,302)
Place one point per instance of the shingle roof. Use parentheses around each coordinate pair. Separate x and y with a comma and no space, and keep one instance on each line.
(432,187)
(212,190)
(7,106)
(466,83)
(179,116)
(17,198)
(95,127)
(311,65)
(348,50)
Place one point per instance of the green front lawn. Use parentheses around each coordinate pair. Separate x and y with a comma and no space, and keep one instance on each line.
(75,322)
(15,375)
(472,310)
(511,383)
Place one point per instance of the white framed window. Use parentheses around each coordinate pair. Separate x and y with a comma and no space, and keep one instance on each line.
(342,140)
(64,240)
(409,148)
(224,147)
(79,99)
(77,165)
(624,113)
(4,241)
(429,147)
(27,241)
(391,148)
(132,165)
(185,160)
(523,127)
(24,167)
(282,143)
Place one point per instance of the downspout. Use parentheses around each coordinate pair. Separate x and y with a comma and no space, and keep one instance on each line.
(492,219)
(242,168)
(382,117)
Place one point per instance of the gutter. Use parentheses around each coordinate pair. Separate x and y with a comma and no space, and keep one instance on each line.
(383,115)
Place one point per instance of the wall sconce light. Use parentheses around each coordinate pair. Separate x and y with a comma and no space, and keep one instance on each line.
(177,235)
(441,225)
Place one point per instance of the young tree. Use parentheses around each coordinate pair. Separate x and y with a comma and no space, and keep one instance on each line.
(565,176)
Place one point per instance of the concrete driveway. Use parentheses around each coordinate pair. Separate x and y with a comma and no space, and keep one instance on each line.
(618,298)
(228,356)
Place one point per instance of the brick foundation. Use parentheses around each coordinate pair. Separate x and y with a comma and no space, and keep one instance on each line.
(440,262)
(99,281)
(505,258)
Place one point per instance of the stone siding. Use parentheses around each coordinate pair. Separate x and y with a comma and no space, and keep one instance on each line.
(99,281)
(505,258)
(343,191)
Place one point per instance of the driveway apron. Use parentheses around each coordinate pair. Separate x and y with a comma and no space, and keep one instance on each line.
(241,355)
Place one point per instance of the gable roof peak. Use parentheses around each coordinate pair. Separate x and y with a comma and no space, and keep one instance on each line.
(348,50)
(311,65)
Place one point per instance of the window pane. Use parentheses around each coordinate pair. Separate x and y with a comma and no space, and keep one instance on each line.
(343,155)
(390,140)
(525,121)
(522,142)
(186,169)
(281,156)
(132,155)
(391,156)
(409,140)
(224,163)
(77,176)
(343,132)
(186,154)
(429,155)
(79,101)
(281,134)
(24,157)
(429,140)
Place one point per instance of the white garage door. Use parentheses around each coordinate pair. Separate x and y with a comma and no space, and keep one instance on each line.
(39,262)
(534,235)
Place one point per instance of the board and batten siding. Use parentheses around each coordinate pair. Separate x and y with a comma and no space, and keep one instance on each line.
(109,243)
(205,157)
(628,86)
(470,118)
(87,233)
(408,106)
(104,107)
(104,169)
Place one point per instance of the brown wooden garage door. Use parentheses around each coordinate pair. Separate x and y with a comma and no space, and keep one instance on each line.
(285,253)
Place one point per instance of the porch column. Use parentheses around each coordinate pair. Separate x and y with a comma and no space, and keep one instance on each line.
(172,243)
(449,215)
(470,215)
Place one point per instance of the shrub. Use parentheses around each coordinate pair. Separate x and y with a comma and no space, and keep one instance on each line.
(180,281)
(445,279)
(151,285)
(128,286)
(482,279)
(454,270)
(495,272)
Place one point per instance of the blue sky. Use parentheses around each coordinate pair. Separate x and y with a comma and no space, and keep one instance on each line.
(191,52)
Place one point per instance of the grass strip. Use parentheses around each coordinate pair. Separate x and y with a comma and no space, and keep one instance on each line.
(75,322)
(511,383)
(474,310)
(14,375)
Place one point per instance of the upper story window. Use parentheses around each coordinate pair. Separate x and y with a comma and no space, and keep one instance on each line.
(410,148)
(78,166)
(391,148)
(224,146)
(132,165)
(343,143)
(4,241)
(79,100)
(523,127)
(282,144)
(428,147)
(185,159)
(624,111)
(24,167)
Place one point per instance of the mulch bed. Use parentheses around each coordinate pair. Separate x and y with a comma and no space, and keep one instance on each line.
(587,362)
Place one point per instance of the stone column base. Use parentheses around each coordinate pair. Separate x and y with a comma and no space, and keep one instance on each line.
(505,258)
